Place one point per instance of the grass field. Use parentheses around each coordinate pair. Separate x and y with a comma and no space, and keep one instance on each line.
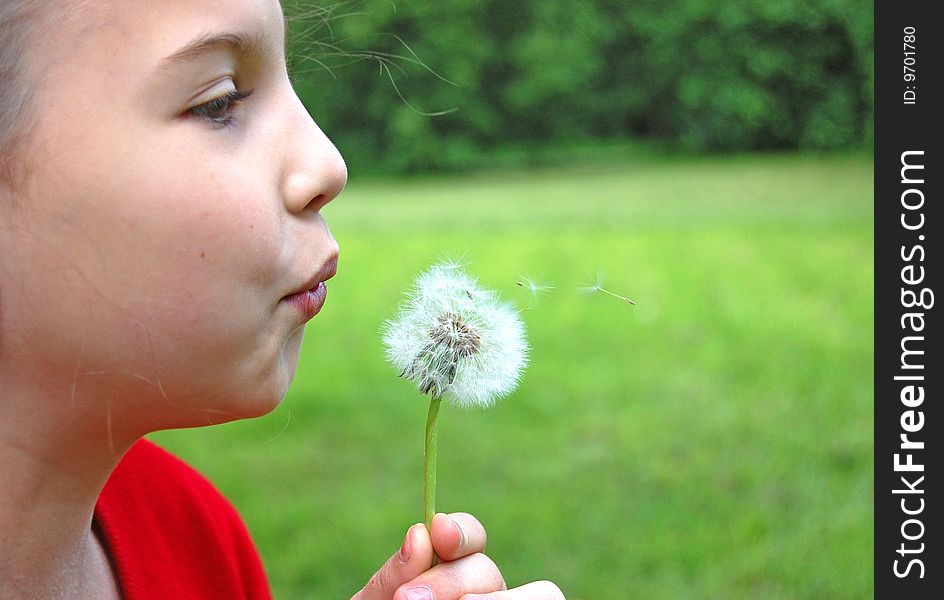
(714,441)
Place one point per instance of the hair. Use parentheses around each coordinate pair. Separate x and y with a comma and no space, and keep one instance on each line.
(18,23)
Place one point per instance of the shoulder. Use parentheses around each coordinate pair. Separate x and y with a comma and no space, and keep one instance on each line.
(160,516)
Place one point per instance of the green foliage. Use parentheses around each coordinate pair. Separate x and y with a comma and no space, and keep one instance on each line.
(711,442)
(734,75)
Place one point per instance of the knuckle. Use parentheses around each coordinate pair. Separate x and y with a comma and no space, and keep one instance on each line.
(486,566)
(550,591)
(378,581)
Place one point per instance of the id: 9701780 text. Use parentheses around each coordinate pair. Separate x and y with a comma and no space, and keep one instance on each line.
(910,49)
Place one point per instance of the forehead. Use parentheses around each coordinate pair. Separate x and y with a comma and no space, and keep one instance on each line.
(145,30)
(103,74)
(183,27)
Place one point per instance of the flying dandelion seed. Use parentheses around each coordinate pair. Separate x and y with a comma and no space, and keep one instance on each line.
(457,341)
(597,286)
(536,289)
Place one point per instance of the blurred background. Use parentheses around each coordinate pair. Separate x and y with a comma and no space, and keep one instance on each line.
(712,160)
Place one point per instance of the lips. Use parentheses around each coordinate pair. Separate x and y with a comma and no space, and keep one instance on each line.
(311,295)
(328,270)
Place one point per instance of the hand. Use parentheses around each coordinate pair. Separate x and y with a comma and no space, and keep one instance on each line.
(463,573)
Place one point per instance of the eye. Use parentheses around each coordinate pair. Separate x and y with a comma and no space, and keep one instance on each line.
(220,110)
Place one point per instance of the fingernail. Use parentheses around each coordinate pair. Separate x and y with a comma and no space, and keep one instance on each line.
(407,548)
(461,533)
(419,593)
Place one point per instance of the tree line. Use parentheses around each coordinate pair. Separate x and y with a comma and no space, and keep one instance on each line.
(409,86)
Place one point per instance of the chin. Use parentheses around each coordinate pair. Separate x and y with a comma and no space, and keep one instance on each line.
(265,398)
(254,400)
(258,407)
(259,391)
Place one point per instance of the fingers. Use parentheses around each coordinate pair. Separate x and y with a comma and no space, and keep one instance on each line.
(456,535)
(538,590)
(414,557)
(448,580)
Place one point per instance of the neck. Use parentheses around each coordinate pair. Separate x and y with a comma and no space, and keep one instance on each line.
(51,473)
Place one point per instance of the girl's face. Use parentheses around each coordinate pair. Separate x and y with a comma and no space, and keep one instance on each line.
(163,223)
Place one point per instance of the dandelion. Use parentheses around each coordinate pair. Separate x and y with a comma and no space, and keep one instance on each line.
(456,341)
(597,286)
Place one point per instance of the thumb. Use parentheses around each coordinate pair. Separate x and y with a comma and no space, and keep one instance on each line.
(414,557)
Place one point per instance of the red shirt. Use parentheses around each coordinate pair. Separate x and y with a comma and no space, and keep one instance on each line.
(172,535)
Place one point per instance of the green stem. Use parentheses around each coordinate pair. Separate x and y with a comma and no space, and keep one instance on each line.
(429,463)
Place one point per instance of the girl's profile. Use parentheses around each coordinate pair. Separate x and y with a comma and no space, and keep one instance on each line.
(161,250)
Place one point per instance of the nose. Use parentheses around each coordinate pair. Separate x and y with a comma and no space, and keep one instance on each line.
(314,171)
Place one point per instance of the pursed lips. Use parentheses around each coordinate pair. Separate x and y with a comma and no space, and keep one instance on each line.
(327,270)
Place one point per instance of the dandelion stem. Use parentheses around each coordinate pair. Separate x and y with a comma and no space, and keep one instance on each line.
(429,463)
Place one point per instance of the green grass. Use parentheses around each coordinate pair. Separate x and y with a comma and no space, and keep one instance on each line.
(714,441)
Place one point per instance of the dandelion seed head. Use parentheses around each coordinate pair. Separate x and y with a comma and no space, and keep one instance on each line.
(456,340)
(458,336)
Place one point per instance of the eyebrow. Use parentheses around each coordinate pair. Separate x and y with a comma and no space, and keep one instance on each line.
(237,43)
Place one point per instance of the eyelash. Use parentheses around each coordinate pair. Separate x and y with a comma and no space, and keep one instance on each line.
(220,110)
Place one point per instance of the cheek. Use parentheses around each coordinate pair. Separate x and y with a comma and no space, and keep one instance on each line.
(213,260)
(154,265)
(182,266)
(216,254)
(199,232)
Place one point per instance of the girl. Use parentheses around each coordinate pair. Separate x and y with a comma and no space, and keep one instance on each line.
(161,248)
